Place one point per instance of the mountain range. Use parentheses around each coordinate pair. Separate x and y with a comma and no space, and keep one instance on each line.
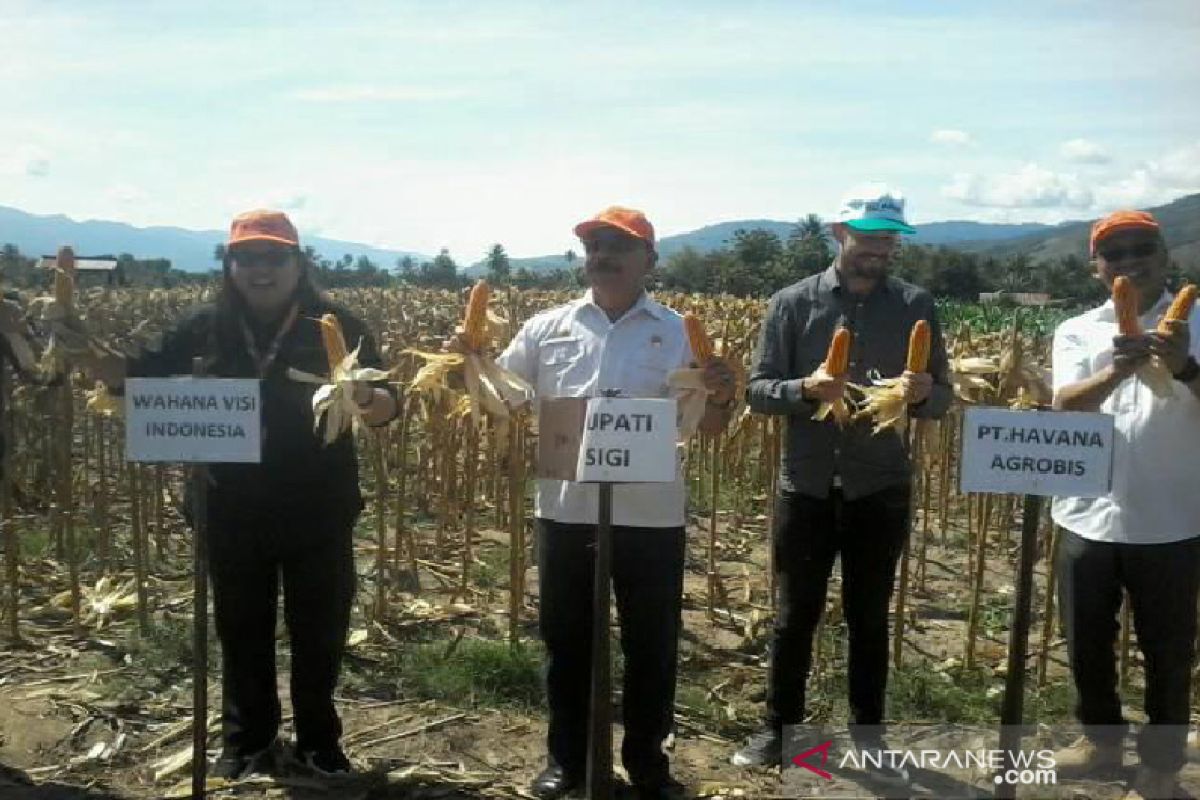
(192,250)
(188,250)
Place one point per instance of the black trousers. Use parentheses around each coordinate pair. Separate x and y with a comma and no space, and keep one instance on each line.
(869,534)
(1162,581)
(250,554)
(647,571)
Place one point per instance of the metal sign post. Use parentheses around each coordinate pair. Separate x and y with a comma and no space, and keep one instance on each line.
(1036,454)
(197,421)
(599,763)
(605,440)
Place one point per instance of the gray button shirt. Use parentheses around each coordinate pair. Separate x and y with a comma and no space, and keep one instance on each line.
(799,325)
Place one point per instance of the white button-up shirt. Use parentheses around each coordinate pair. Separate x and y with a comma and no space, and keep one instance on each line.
(1155,496)
(574,350)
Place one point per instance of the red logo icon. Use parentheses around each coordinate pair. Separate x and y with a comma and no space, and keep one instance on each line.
(801,760)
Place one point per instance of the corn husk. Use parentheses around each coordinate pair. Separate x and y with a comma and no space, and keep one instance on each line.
(883,402)
(333,402)
(490,388)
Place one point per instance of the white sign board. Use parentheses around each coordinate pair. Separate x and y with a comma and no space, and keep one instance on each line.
(1050,453)
(628,441)
(199,420)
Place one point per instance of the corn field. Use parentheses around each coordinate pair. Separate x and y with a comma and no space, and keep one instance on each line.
(91,541)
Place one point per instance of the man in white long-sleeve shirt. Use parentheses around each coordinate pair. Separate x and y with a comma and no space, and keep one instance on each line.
(1144,536)
(614,338)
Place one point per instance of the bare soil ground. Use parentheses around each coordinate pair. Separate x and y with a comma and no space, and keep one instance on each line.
(107,715)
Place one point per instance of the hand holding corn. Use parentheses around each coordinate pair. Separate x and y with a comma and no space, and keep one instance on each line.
(1171,341)
(1131,346)
(719,379)
(827,383)
(915,379)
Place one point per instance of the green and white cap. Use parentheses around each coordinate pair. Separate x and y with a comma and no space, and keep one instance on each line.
(874,208)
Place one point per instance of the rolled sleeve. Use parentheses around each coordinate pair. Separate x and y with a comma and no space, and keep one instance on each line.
(521,356)
(771,388)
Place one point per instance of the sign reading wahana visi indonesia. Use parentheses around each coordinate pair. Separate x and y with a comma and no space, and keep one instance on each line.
(198,420)
(628,441)
(1048,453)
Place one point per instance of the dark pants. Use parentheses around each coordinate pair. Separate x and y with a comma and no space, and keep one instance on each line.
(869,534)
(1162,581)
(248,555)
(647,572)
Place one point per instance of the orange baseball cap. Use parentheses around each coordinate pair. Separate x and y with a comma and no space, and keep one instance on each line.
(629,220)
(262,225)
(1122,221)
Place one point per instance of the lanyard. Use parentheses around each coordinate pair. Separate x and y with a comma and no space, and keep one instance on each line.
(263,362)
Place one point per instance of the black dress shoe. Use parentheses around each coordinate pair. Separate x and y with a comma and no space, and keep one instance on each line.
(554,782)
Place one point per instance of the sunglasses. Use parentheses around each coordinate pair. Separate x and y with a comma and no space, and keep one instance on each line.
(1111,254)
(615,243)
(271,258)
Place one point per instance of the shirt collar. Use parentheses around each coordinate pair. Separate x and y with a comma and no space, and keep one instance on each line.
(831,280)
(643,304)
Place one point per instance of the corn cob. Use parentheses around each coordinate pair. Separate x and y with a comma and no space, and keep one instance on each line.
(1181,307)
(334,341)
(702,348)
(475,320)
(837,360)
(918,347)
(64,288)
(64,277)
(1125,302)
(65,260)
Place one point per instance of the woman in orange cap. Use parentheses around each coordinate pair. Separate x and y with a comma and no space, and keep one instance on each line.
(292,515)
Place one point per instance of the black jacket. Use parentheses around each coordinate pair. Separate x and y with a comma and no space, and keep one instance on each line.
(298,471)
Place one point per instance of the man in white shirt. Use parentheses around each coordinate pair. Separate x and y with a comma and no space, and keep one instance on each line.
(1144,536)
(614,338)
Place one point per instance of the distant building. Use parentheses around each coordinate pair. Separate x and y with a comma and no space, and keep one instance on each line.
(1018,298)
(90,271)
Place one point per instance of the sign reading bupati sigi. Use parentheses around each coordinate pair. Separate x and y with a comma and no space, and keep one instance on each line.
(1049,453)
(628,441)
(197,420)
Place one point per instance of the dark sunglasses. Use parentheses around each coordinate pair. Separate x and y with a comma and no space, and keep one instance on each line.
(613,242)
(270,258)
(1111,254)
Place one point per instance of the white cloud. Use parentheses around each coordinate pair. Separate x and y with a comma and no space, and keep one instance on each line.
(1084,151)
(1179,168)
(368,93)
(950,136)
(1030,186)
(125,193)
(1156,181)
(25,160)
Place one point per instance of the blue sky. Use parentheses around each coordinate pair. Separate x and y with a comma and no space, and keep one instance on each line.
(418,125)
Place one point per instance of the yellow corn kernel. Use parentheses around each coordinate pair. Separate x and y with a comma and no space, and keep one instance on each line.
(334,341)
(1125,302)
(837,360)
(702,348)
(1181,307)
(475,320)
(918,347)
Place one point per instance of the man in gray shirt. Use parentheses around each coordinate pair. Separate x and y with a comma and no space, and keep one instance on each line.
(843,490)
